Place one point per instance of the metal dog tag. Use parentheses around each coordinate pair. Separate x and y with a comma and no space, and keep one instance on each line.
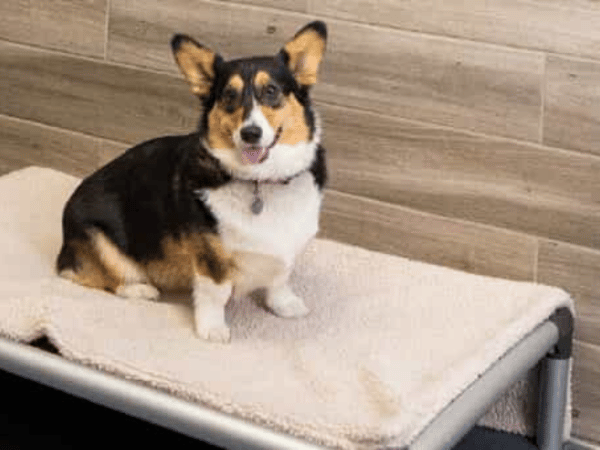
(257,205)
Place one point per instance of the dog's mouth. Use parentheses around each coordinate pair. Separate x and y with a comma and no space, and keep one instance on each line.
(254,154)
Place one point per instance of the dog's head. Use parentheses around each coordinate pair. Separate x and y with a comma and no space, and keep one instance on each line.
(257,117)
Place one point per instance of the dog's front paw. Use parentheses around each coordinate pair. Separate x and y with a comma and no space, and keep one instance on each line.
(284,303)
(210,323)
(214,333)
(138,290)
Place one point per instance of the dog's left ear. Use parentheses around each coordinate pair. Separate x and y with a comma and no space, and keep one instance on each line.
(303,54)
(196,62)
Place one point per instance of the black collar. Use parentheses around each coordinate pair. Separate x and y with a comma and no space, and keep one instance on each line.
(282,181)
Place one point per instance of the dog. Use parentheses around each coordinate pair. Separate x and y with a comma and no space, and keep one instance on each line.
(223,211)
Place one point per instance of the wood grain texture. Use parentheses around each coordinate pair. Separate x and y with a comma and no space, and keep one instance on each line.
(529,188)
(92,97)
(459,84)
(561,26)
(256,31)
(401,231)
(291,5)
(572,108)
(580,444)
(140,31)
(26,144)
(456,83)
(577,270)
(72,26)
(586,391)
(110,150)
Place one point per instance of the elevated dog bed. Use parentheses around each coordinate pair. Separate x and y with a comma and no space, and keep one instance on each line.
(395,353)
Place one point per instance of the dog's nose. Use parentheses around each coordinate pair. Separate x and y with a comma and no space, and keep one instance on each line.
(251,134)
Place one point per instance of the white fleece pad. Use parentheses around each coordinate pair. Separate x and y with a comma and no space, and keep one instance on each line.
(388,344)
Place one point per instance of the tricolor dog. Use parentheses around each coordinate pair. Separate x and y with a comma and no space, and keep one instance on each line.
(223,211)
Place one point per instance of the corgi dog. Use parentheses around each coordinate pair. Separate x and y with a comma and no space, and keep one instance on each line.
(223,211)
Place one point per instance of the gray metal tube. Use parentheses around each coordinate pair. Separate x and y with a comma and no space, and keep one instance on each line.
(226,431)
(554,379)
(142,402)
(460,416)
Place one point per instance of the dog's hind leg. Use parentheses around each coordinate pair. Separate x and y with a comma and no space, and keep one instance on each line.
(98,263)
(79,262)
(132,281)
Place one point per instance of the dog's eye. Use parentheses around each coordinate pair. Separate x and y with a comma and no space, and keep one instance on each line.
(270,95)
(229,96)
(270,91)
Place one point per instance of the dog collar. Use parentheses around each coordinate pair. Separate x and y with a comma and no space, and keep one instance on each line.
(257,204)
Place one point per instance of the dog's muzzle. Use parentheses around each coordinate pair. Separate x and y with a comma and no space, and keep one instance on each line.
(253,154)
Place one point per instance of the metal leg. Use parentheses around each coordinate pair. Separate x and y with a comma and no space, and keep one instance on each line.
(554,383)
(459,416)
(552,402)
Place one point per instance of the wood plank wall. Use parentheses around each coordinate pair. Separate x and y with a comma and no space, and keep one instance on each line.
(458,133)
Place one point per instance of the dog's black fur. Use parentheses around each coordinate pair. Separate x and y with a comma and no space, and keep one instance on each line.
(149,192)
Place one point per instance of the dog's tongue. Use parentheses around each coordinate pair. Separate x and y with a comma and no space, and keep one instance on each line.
(253,155)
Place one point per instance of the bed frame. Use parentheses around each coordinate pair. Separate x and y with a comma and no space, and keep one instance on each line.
(550,343)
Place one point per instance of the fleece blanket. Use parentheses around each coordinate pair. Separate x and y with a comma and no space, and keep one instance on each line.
(388,344)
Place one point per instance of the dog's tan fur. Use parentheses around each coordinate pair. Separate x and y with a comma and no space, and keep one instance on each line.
(255,252)
(104,266)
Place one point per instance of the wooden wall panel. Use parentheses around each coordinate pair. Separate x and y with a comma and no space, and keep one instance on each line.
(577,270)
(140,31)
(535,189)
(72,26)
(572,110)
(426,237)
(109,150)
(460,84)
(575,443)
(256,31)
(140,35)
(562,26)
(586,391)
(292,5)
(27,144)
(93,97)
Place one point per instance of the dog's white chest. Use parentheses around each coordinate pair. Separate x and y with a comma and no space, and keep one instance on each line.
(288,220)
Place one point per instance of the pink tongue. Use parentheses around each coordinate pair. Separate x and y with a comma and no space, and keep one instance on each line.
(252,155)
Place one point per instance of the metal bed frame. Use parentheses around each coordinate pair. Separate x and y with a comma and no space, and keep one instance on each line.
(550,343)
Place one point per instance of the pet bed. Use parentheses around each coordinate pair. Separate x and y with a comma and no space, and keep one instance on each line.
(395,353)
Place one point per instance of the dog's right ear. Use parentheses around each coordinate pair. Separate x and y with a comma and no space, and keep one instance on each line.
(196,62)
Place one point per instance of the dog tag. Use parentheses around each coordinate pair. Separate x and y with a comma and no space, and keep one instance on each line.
(257,205)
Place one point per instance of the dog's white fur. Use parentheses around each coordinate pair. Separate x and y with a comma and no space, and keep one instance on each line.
(284,160)
(264,245)
(257,118)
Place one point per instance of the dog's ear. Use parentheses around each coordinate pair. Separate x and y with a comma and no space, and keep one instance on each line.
(196,62)
(303,54)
